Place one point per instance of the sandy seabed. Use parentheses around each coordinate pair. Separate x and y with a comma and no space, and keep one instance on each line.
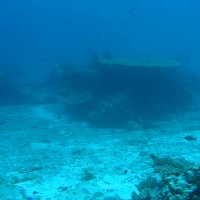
(43,156)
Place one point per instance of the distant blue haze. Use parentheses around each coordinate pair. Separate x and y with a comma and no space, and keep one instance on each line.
(40,34)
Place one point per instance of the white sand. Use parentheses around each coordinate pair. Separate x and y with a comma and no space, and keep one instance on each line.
(47,157)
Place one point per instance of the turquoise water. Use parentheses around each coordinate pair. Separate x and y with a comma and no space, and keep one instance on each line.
(99,100)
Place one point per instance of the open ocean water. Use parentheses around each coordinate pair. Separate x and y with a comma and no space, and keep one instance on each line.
(99,100)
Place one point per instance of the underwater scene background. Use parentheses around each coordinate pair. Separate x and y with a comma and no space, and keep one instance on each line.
(99,100)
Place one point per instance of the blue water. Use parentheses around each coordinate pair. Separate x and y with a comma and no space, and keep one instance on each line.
(38,35)
(53,84)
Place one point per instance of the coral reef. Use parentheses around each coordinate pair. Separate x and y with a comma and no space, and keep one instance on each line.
(114,91)
(110,111)
(150,188)
(178,179)
(167,166)
(141,62)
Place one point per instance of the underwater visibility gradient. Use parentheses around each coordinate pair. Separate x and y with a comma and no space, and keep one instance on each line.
(99,100)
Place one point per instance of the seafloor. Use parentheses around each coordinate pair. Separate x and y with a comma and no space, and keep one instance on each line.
(45,156)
